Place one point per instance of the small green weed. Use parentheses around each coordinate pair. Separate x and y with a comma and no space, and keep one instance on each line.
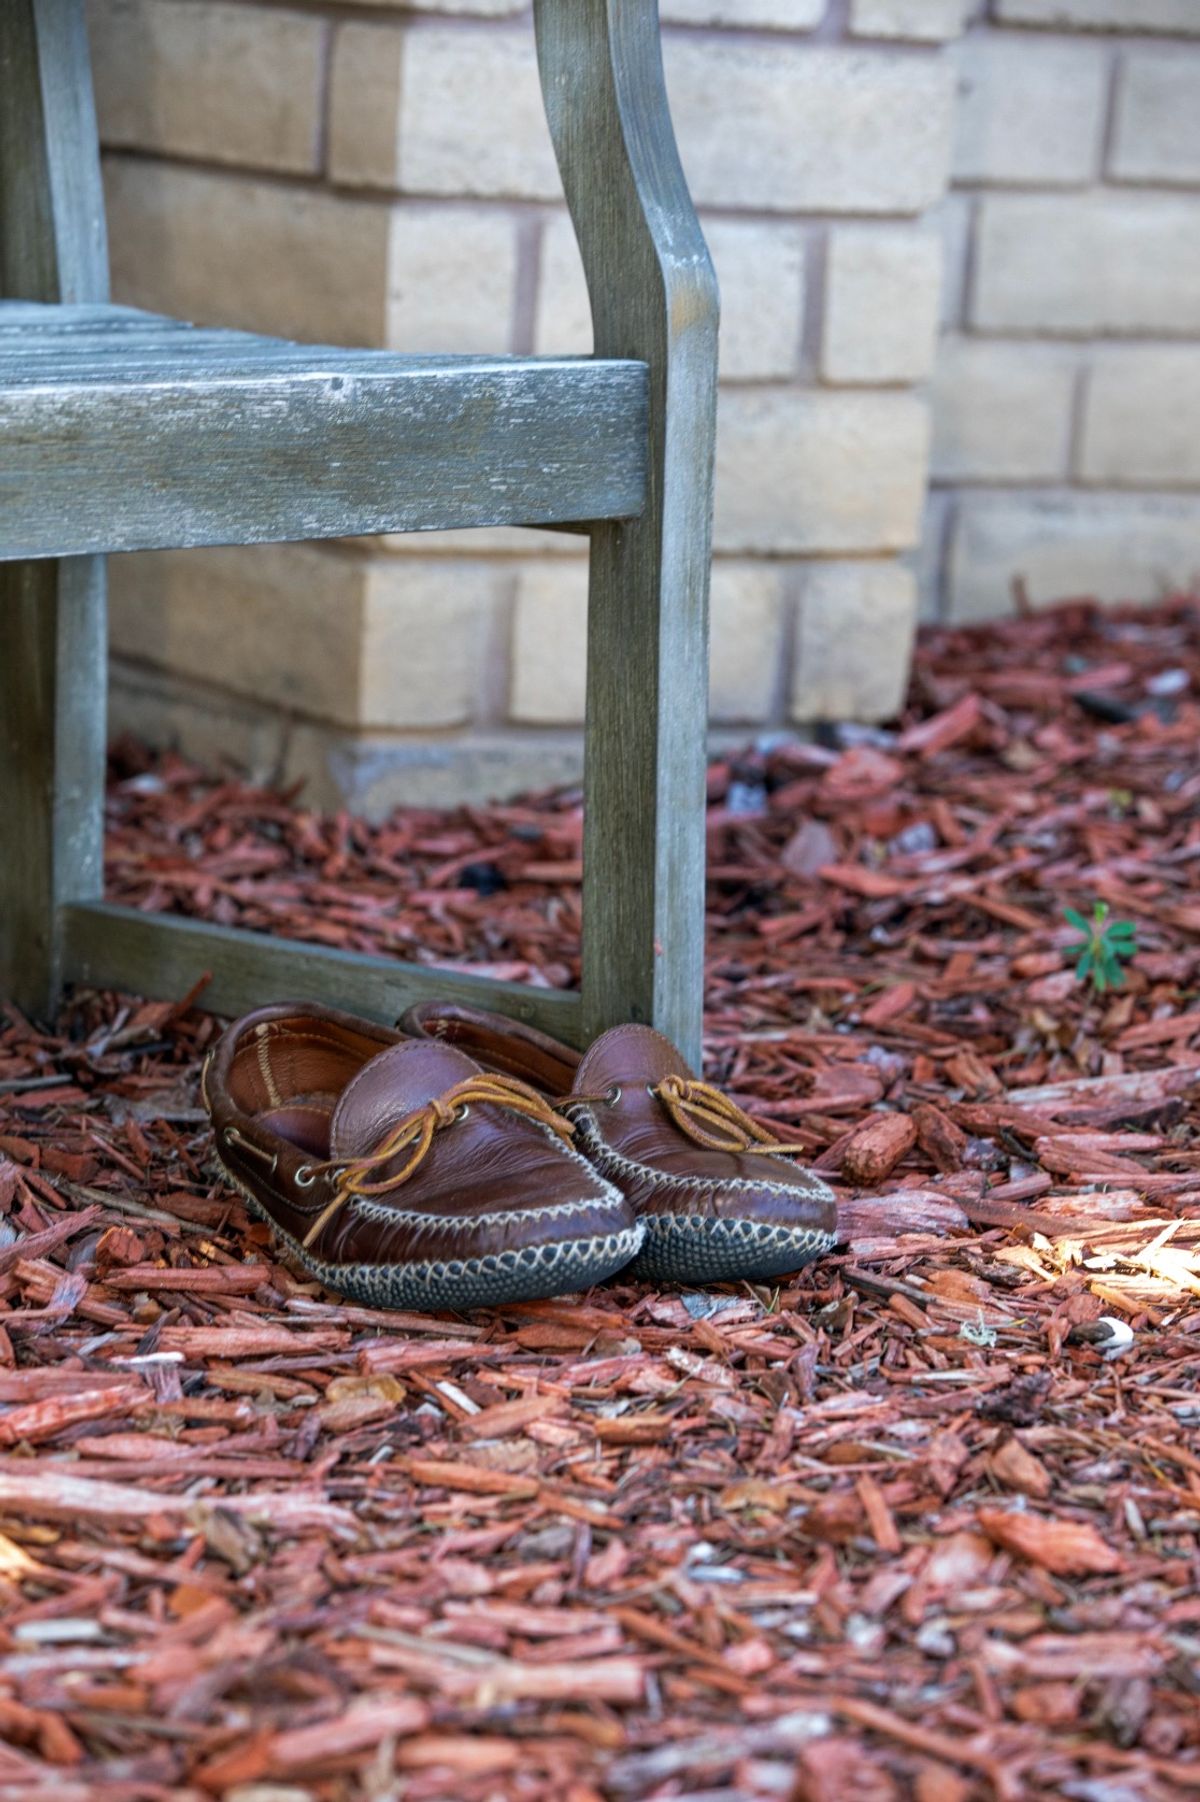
(1103,948)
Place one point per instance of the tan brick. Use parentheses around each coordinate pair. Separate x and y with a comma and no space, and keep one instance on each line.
(1001,412)
(423,638)
(222,250)
(760,266)
(1141,423)
(1029,110)
(854,633)
(815,472)
(924,21)
(549,647)
(1112,548)
(882,292)
(746,642)
(452,275)
(794,128)
(362,640)
(440,111)
(1157,135)
(364,105)
(1179,16)
(231,84)
(1088,264)
(781,15)
(563,321)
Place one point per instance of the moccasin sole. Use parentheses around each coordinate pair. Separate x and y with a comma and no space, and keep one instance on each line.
(696,1248)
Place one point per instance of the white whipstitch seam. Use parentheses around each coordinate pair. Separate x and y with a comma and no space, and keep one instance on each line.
(371,1209)
(576,1157)
(262,1050)
(606,1157)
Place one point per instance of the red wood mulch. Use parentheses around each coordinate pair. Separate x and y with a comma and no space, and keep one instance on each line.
(923,1523)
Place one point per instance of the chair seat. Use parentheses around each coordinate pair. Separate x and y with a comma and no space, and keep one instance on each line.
(122,430)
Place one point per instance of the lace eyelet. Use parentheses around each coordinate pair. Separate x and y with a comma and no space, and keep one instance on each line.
(613,1096)
(305,1176)
(462,1113)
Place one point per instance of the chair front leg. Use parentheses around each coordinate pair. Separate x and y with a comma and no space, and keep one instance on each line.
(654,297)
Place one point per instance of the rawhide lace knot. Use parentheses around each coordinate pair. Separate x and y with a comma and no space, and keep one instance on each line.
(417,1131)
(711,1119)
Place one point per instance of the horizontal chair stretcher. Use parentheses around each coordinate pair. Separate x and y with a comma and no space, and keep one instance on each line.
(165,955)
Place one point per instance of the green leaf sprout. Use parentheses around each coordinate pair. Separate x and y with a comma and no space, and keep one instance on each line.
(1103,948)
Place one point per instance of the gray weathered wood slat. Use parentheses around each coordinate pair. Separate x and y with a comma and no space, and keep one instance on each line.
(165,435)
(52,614)
(654,297)
(163,955)
(35,336)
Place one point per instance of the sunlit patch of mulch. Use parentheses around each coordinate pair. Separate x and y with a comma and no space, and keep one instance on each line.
(924,1523)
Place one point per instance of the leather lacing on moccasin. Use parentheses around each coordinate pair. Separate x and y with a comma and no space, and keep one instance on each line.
(707,1116)
(418,1130)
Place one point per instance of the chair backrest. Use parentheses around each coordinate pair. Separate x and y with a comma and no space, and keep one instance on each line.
(53,245)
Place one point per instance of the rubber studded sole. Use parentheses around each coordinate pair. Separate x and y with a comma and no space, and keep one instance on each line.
(695,1248)
(493,1281)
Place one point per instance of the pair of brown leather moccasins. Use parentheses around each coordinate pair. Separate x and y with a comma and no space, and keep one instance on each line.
(469,1161)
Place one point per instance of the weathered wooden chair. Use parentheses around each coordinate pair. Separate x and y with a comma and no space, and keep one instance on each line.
(124,431)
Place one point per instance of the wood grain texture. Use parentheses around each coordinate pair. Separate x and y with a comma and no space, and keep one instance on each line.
(162,955)
(52,692)
(128,432)
(654,298)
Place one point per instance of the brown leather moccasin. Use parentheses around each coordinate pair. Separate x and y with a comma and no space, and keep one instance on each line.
(400,1173)
(718,1194)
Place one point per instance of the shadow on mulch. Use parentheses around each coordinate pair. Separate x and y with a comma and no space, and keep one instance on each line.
(922,1523)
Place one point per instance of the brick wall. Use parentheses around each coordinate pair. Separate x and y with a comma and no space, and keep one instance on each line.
(1066,445)
(381,174)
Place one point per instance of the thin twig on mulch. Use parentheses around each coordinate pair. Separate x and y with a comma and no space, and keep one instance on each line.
(924,1522)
